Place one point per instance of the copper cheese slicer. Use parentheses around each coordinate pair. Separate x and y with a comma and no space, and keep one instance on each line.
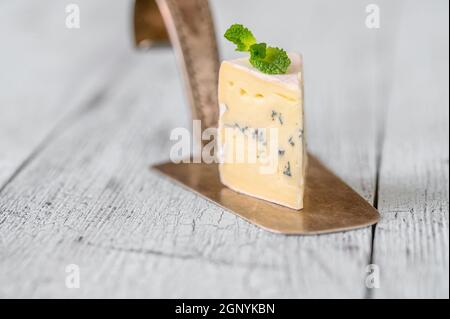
(329,204)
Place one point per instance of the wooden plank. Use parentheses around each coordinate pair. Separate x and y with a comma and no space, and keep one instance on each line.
(411,244)
(87,198)
(48,70)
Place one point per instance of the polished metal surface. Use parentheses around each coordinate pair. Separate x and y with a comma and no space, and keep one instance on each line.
(329,204)
(149,27)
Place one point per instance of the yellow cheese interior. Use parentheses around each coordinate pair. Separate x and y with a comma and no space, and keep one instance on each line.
(250,105)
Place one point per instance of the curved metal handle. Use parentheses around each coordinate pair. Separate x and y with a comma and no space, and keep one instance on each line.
(149,27)
(191,31)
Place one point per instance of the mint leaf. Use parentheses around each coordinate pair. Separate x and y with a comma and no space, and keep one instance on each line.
(241,36)
(268,60)
(275,61)
(258,51)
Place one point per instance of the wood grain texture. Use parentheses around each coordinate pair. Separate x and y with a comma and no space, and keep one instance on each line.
(411,241)
(48,70)
(134,233)
(100,206)
(86,196)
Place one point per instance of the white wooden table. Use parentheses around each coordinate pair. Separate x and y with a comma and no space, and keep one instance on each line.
(83,115)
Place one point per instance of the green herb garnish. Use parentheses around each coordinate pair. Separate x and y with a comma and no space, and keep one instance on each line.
(268,60)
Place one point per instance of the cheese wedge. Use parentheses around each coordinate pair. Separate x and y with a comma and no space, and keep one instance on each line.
(261,116)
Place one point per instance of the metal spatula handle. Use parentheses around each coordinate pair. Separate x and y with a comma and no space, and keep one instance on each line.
(190,27)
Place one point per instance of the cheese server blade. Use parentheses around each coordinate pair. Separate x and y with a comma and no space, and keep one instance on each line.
(330,205)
